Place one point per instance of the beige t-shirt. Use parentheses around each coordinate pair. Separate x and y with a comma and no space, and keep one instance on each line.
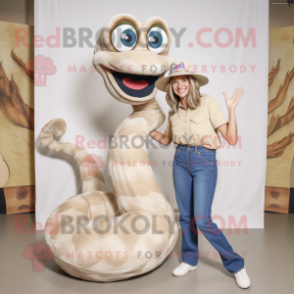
(197,126)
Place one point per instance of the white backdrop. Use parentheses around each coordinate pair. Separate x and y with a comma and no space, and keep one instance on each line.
(211,41)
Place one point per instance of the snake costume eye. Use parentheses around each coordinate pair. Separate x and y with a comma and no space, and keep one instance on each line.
(124,37)
(156,39)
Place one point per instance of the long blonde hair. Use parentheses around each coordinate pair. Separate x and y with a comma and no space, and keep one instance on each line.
(193,96)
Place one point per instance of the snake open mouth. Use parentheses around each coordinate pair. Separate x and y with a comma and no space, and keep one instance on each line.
(135,85)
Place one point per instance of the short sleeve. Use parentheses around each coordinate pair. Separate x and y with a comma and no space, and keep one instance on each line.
(168,126)
(216,115)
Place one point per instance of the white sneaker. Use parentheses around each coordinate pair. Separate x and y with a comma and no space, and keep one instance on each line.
(242,278)
(183,268)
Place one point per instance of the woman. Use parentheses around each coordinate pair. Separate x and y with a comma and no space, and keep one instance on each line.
(193,123)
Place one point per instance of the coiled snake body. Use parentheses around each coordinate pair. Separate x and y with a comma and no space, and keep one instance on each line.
(107,236)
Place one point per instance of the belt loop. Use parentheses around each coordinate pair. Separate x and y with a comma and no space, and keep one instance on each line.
(196,149)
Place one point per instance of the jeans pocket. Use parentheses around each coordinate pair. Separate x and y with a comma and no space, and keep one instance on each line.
(207,156)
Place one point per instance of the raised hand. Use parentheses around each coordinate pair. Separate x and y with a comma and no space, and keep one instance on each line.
(231,103)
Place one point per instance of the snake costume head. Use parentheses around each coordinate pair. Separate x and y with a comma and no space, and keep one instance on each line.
(131,55)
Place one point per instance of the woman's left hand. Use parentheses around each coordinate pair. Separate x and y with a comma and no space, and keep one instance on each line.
(231,103)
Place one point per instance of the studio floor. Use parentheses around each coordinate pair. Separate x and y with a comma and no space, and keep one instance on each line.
(269,260)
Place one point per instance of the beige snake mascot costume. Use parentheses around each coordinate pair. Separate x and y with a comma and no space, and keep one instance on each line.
(132,230)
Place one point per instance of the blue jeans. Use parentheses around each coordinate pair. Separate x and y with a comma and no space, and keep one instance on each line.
(194,177)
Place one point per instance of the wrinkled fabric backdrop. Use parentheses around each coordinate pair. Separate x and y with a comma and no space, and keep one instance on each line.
(225,40)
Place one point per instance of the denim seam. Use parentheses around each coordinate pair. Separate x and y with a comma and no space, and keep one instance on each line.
(210,204)
(178,150)
(211,163)
(225,244)
(211,220)
(190,165)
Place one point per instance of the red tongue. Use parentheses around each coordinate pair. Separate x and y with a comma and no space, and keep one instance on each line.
(136,85)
